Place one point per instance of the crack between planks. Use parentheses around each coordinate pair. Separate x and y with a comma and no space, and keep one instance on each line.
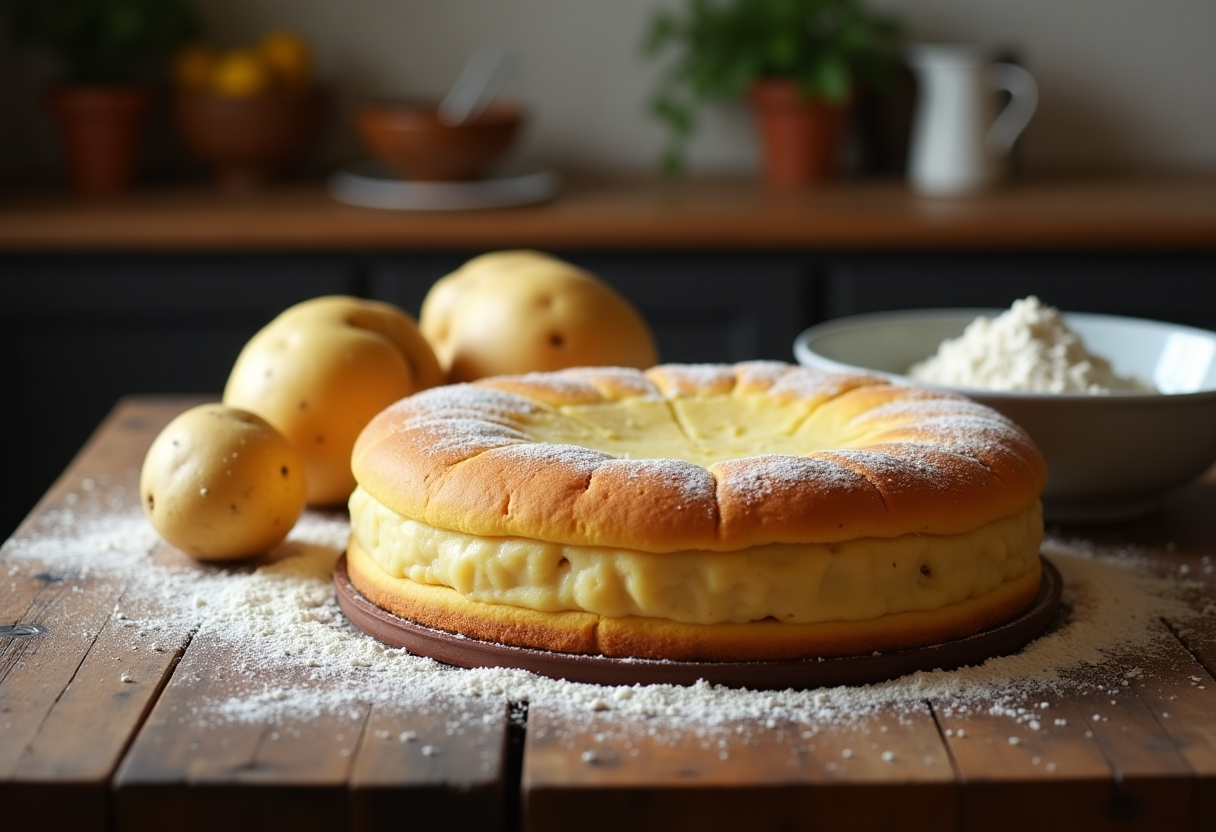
(18,654)
(159,689)
(1177,632)
(954,767)
(513,766)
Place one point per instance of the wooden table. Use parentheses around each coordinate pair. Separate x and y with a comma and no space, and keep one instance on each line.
(90,743)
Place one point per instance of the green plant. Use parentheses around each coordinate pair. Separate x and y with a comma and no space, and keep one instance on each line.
(102,41)
(828,47)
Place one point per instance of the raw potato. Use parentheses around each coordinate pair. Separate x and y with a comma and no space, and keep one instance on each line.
(220,483)
(321,370)
(522,311)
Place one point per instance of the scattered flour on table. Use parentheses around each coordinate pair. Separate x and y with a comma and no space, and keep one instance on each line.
(270,623)
(1029,348)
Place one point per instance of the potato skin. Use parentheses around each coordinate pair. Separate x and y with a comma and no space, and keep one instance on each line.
(512,312)
(221,483)
(321,370)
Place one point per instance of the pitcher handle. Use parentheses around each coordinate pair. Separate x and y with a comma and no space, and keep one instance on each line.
(1024,98)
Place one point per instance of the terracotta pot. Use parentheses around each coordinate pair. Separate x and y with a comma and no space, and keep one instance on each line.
(248,142)
(800,137)
(410,138)
(101,128)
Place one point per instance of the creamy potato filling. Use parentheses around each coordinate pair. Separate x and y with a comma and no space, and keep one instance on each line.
(796,583)
(701,430)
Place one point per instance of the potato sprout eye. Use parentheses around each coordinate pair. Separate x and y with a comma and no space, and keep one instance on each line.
(556,339)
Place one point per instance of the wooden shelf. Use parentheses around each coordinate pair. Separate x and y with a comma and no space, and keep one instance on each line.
(1176,212)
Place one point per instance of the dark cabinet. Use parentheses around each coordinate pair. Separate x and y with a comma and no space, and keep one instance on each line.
(80,331)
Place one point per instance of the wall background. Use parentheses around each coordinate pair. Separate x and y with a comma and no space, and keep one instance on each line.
(1125,84)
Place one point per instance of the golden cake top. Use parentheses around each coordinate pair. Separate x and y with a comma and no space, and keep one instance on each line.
(718,457)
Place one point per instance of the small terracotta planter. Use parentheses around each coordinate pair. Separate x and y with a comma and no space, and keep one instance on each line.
(800,137)
(101,127)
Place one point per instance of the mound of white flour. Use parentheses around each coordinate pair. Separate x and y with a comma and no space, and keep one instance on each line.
(1027,348)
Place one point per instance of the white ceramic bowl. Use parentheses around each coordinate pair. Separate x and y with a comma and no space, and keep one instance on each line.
(1110,456)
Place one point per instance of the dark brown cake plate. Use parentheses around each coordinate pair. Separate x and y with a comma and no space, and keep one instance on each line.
(457,650)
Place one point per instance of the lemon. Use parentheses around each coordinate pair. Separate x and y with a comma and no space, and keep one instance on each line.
(191,66)
(288,57)
(239,73)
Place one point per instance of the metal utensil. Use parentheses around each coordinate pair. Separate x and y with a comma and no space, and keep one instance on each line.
(479,81)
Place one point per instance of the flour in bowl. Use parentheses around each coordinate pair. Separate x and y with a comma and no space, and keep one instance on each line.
(1027,348)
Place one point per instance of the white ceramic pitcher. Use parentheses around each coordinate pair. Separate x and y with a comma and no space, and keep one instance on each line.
(959,143)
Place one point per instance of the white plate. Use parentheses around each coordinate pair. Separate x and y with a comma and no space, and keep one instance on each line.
(370,186)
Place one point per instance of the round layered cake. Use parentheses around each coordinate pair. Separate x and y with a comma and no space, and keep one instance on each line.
(756,511)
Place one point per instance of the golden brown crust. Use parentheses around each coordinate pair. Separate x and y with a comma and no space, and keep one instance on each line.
(881,460)
(446,609)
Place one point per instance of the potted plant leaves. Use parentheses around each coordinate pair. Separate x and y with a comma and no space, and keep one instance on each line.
(800,63)
(107,54)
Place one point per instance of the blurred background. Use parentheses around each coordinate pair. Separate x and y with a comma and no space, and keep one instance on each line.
(1126,89)
(1124,84)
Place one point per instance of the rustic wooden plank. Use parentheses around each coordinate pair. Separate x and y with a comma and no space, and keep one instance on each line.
(1009,773)
(204,770)
(428,767)
(34,675)
(1197,632)
(1199,636)
(357,767)
(1181,696)
(79,743)
(1154,786)
(1178,542)
(1115,750)
(72,698)
(34,671)
(888,771)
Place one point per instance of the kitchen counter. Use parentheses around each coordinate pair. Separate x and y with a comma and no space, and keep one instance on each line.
(1157,212)
(104,716)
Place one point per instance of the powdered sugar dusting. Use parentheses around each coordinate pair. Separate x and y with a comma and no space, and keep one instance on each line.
(762,374)
(894,472)
(277,620)
(464,436)
(469,401)
(977,437)
(759,478)
(692,379)
(902,437)
(812,385)
(610,382)
(692,481)
(536,457)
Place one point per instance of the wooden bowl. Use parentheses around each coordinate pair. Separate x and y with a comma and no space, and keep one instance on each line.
(248,142)
(410,138)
